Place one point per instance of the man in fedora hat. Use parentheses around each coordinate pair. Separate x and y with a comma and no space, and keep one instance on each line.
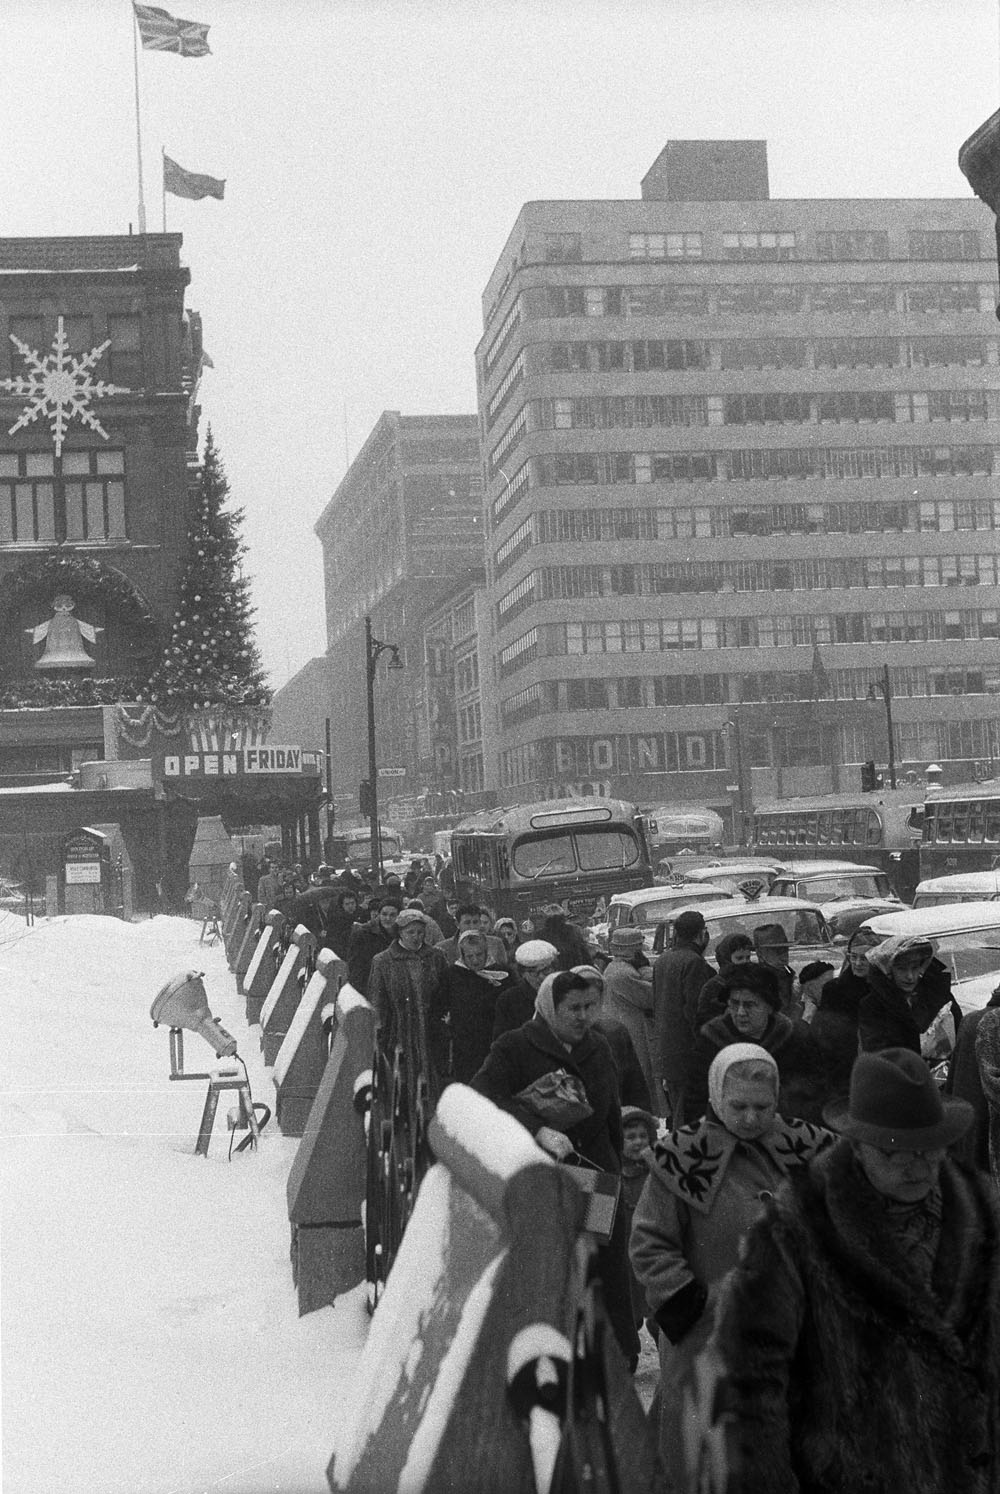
(861,1329)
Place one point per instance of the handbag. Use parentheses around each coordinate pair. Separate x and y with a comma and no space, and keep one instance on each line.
(557,1099)
(603,1189)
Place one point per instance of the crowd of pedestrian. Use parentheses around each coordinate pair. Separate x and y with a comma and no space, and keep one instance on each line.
(804,1164)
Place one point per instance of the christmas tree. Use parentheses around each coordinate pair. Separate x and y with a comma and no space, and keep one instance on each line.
(211,659)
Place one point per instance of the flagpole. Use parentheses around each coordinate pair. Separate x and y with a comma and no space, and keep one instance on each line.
(138,130)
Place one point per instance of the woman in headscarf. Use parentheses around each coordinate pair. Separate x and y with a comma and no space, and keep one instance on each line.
(560,1037)
(907,988)
(752,1015)
(708,1183)
(505,930)
(733,950)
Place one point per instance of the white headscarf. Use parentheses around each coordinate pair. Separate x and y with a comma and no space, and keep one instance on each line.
(723,1062)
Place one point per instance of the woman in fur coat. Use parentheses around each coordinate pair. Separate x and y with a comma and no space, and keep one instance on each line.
(706,1186)
(861,1329)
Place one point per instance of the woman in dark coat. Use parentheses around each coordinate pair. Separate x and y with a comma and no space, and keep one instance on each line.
(463,1009)
(340,922)
(860,1331)
(753,1015)
(632,1087)
(560,1036)
(835,1023)
(907,987)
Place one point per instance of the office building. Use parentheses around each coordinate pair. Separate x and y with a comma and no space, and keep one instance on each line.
(740,456)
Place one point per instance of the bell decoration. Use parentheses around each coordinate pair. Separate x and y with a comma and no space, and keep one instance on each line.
(64,637)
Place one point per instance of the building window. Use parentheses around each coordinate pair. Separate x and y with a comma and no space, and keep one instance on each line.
(505,389)
(507,329)
(853,244)
(664,246)
(944,244)
(758,246)
(563,248)
(760,300)
(95,494)
(514,547)
(940,296)
(853,297)
(27,498)
(566,300)
(764,352)
(856,352)
(125,353)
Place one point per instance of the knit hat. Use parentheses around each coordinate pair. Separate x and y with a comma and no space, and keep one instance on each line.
(410,915)
(895,1104)
(625,941)
(760,980)
(535,954)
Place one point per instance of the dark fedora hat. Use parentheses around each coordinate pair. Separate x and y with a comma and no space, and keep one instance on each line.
(895,1104)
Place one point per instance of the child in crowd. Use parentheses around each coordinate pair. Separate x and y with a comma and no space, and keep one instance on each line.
(639,1130)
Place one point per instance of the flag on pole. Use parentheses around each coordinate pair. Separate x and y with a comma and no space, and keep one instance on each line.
(183,183)
(161,32)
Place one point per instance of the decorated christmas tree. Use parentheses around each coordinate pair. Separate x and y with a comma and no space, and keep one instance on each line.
(211,660)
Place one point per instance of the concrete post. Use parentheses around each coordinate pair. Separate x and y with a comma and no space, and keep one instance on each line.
(302,1057)
(263,965)
(286,992)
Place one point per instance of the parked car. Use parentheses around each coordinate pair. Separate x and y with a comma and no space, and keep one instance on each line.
(645,907)
(846,915)
(749,876)
(966,938)
(962,887)
(804,924)
(829,882)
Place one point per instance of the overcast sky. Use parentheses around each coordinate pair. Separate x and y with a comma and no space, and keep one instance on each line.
(376,155)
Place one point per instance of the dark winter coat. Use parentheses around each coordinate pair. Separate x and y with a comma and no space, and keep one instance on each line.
(339,926)
(835,1030)
(848,1372)
(515,1006)
(887,1019)
(402,984)
(569,940)
(988,1059)
(367,940)
(462,1011)
(519,1057)
(964,1083)
(679,975)
(793,1049)
(632,1086)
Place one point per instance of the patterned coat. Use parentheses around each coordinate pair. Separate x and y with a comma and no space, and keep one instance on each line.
(705,1189)
(849,1371)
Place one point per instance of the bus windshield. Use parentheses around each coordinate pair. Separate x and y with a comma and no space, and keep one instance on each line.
(584,850)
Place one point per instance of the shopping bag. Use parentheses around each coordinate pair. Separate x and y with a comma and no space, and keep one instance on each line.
(557,1098)
(602,1189)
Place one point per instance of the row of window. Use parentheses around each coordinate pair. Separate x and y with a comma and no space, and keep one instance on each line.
(121,363)
(680,355)
(87,506)
(755,298)
(723,521)
(757,463)
(850,407)
(631,692)
(470,722)
(762,245)
(672,578)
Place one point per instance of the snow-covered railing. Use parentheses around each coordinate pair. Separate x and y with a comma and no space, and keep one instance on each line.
(463,1381)
(241,964)
(286,991)
(263,965)
(305,1048)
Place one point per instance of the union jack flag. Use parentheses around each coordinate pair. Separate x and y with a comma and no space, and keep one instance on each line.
(161,32)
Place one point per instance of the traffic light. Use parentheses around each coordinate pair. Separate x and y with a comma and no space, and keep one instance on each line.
(365,798)
(867,777)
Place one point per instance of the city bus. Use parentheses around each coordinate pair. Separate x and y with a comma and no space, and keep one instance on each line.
(674,829)
(881,830)
(575,852)
(961,830)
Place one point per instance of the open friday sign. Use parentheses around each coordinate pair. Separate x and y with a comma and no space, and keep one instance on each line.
(248,762)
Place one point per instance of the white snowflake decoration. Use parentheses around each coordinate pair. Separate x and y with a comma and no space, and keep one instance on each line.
(59,385)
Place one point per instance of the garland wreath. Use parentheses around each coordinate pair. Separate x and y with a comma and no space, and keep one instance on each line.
(86,580)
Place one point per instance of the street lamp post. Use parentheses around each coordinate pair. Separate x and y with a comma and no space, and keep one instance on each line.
(373,649)
(884,687)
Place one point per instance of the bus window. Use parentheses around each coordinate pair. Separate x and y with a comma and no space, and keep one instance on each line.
(600,849)
(548,855)
(801,824)
(824,829)
(837,835)
(960,823)
(993,819)
(945,819)
(873,832)
(977,822)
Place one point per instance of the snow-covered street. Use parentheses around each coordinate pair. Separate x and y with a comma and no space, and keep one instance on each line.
(150,1336)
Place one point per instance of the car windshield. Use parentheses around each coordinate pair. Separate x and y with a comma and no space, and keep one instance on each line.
(801,925)
(969,953)
(846,884)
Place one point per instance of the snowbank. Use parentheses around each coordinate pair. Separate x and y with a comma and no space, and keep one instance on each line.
(150,1337)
